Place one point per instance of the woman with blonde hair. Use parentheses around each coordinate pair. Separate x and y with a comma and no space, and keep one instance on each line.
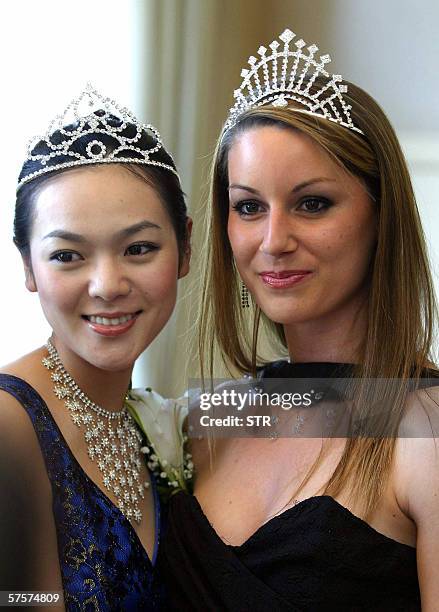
(313,211)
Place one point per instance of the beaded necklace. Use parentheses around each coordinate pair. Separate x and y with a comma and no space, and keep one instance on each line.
(112,438)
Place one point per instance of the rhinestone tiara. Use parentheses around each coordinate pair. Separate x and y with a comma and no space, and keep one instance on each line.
(98,121)
(277,76)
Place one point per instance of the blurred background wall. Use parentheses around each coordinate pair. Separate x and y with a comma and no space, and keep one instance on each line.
(176,64)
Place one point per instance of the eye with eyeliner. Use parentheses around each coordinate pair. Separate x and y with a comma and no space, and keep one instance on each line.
(65,257)
(140,249)
(314,204)
(247,208)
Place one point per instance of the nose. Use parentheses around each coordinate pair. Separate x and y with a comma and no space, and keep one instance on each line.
(108,281)
(279,235)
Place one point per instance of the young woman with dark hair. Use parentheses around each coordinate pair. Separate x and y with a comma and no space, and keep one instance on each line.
(102,229)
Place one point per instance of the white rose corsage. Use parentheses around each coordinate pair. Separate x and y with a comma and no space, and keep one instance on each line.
(161,421)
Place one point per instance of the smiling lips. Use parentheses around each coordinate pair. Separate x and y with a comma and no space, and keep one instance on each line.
(285,279)
(111,324)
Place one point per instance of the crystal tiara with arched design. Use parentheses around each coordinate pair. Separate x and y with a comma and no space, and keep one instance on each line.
(99,120)
(277,76)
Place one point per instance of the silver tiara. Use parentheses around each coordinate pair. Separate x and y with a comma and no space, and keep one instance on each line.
(97,119)
(288,74)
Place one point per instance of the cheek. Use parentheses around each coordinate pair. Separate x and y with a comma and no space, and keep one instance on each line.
(159,282)
(55,291)
(350,248)
(347,235)
(242,241)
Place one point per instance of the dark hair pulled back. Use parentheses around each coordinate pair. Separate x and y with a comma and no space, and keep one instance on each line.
(165,182)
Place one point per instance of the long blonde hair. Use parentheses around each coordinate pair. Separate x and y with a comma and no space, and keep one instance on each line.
(401,309)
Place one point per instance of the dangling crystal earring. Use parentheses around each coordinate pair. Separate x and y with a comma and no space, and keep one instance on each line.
(244,296)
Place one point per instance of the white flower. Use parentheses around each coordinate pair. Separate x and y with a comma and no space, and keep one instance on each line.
(162,422)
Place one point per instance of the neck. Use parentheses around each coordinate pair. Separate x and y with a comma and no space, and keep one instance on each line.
(105,388)
(334,339)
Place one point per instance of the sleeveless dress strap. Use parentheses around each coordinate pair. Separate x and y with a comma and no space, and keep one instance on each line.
(103,563)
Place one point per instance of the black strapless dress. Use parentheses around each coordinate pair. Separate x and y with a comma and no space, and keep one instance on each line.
(315,556)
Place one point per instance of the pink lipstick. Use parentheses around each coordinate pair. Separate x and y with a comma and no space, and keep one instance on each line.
(111,324)
(285,279)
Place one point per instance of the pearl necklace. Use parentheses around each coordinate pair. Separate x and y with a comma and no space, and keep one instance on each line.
(112,438)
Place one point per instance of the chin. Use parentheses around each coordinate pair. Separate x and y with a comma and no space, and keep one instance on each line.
(115,366)
(116,361)
(285,315)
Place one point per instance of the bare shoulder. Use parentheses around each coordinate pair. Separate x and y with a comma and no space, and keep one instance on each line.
(30,369)
(20,449)
(16,429)
(24,366)
(421,416)
(27,528)
(15,424)
(416,460)
(416,476)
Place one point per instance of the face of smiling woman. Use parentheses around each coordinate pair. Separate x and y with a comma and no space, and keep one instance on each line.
(104,260)
(302,230)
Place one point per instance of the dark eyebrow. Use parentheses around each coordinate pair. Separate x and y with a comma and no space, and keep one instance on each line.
(244,187)
(320,179)
(137,227)
(65,236)
(297,188)
(125,233)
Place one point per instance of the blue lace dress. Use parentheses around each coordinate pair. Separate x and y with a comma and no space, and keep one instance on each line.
(103,564)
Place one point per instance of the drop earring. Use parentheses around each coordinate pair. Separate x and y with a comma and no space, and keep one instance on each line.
(244,296)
